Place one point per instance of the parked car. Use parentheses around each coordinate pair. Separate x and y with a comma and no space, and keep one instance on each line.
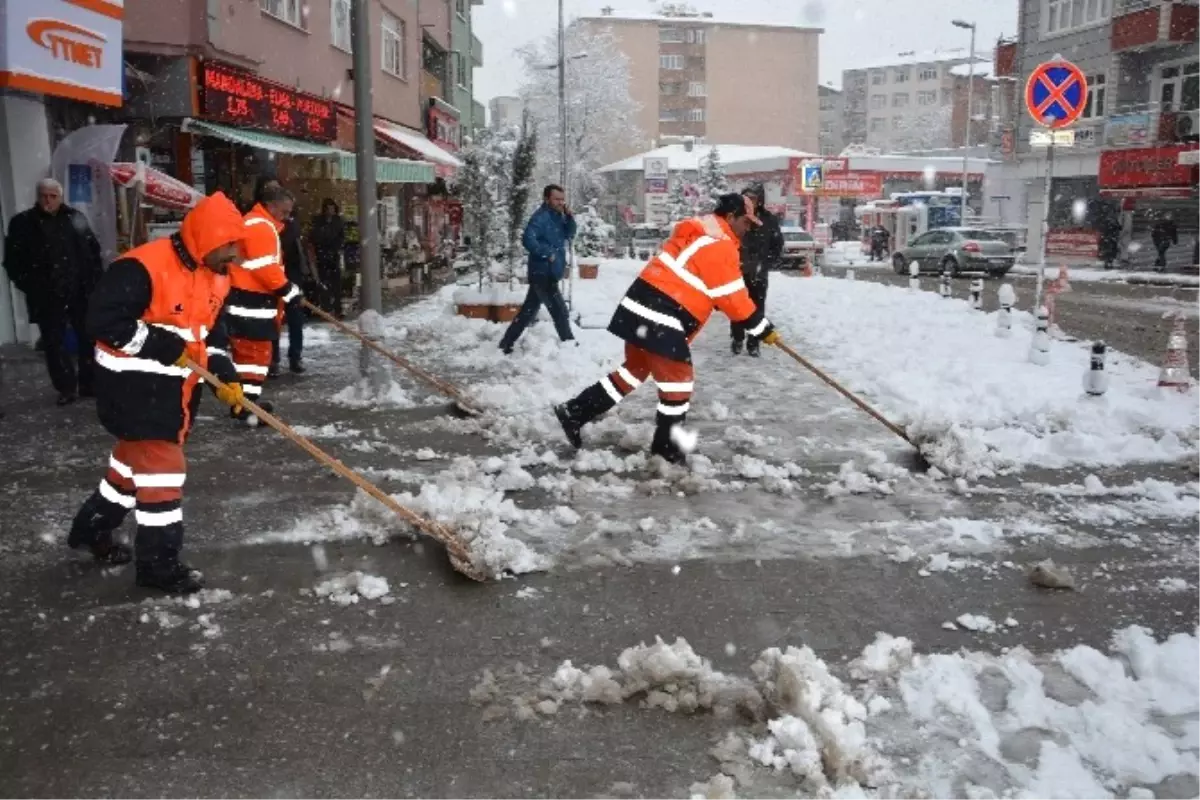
(957,251)
(647,240)
(799,248)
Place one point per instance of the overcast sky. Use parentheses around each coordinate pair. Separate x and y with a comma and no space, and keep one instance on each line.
(856,31)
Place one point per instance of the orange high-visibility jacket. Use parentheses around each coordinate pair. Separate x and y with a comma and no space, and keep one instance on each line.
(699,269)
(153,304)
(260,284)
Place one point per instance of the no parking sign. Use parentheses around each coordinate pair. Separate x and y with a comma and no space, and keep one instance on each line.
(1056,93)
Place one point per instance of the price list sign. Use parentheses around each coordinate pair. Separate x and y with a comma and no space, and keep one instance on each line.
(230,95)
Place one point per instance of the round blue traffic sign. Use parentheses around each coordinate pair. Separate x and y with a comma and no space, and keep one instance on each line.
(1056,94)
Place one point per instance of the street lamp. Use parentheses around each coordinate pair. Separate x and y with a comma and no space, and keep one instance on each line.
(958,23)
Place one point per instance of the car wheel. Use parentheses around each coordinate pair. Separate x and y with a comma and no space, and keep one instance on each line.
(950,265)
(899,264)
(997,274)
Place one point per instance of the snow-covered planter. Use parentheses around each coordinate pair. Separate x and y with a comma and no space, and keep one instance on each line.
(589,267)
(492,302)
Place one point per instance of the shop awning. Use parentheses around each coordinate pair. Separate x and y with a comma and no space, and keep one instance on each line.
(419,144)
(388,170)
(264,141)
(157,187)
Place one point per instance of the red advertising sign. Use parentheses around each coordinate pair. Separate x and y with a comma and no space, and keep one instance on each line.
(1073,243)
(853,184)
(231,95)
(1145,166)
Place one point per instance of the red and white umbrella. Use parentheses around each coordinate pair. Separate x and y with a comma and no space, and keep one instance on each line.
(158,188)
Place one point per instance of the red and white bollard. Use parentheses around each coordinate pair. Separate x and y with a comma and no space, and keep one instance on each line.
(1175,371)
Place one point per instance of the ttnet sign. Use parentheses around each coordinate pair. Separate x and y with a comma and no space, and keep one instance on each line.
(64,49)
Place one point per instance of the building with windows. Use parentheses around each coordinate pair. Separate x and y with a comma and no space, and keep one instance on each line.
(466,55)
(1133,155)
(688,74)
(505,111)
(903,103)
(831,135)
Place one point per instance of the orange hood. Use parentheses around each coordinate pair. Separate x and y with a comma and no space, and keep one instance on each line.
(213,222)
(688,230)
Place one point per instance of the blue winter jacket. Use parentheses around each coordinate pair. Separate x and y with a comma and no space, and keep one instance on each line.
(546,235)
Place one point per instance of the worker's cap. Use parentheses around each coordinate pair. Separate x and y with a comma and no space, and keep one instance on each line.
(737,205)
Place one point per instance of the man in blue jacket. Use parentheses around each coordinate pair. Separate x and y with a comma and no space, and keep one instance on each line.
(546,236)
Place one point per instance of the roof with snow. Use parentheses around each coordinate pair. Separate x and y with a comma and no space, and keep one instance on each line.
(735,158)
(650,16)
(914,57)
(983,69)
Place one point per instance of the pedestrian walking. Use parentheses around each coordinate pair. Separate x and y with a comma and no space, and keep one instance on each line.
(546,236)
(879,242)
(155,308)
(328,238)
(1163,235)
(761,250)
(664,310)
(259,291)
(299,271)
(52,256)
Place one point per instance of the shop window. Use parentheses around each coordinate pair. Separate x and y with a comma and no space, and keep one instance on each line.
(289,11)
(339,20)
(392,52)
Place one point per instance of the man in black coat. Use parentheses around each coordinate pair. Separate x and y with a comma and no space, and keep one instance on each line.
(328,237)
(52,256)
(1163,235)
(762,248)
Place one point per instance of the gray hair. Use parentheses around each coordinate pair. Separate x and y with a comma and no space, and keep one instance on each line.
(50,183)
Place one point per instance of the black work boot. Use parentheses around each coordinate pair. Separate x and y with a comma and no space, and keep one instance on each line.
(172,577)
(735,346)
(752,348)
(93,528)
(664,447)
(589,404)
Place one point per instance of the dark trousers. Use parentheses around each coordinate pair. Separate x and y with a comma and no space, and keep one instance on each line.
(542,291)
(758,293)
(329,270)
(1162,248)
(61,364)
(294,315)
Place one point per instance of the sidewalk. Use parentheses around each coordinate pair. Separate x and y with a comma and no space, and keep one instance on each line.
(265,688)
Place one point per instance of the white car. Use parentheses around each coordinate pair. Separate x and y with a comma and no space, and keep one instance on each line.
(799,249)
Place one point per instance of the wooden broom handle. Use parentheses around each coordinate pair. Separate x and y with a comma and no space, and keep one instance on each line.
(853,398)
(436,383)
(430,527)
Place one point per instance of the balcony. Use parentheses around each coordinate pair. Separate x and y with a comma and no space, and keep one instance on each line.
(1150,125)
(476,51)
(1142,24)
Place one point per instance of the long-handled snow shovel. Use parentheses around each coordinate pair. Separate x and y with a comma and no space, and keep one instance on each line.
(460,557)
(460,402)
(921,464)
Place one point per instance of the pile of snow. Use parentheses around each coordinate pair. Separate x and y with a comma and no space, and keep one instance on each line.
(1093,275)
(363,393)
(348,589)
(849,254)
(1075,723)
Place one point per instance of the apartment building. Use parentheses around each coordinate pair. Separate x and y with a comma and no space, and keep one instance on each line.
(1134,151)
(467,54)
(831,135)
(902,103)
(690,77)
(505,111)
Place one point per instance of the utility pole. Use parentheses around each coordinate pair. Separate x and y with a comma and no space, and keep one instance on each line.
(562,97)
(958,23)
(371,296)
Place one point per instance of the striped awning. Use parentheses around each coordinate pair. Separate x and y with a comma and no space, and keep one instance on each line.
(388,170)
(263,141)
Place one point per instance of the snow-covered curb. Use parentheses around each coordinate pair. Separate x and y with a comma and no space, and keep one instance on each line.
(1093,275)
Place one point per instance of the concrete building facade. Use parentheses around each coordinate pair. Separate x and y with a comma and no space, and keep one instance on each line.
(831,135)
(688,74)
(505,111)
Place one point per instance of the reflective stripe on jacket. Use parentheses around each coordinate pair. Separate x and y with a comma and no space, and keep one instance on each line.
(260,283)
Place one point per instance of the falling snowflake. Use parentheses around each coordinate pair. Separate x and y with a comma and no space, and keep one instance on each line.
(1079,210)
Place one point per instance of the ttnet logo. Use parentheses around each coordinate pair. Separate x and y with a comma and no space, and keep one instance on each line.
(67,42)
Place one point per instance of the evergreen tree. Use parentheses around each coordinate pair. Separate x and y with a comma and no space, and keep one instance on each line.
(679,204)
(594,235)
(712,182)
(523,165)
(477,203)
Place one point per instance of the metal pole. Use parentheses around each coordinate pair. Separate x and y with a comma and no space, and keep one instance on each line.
(1041,274)
(371,297)
(970,113)
(562,96)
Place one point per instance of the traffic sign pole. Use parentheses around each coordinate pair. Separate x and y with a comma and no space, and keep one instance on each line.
(1041,273)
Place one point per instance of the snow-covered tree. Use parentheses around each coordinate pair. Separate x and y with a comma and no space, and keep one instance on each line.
(712,181)
(484,184)
(680,203)
(594,236)
(927,131)
(524,163)
(601,113)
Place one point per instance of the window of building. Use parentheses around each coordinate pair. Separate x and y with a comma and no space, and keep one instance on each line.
(339,22)
(879,101)
(878,124)
(927,98)
(900,100)
(392,52)
(696,62)
(1062,16)
(695,115)
(826,128)
(670,62)
(878,77)
(669,89)
(828,102)
(902,74)
(897,123)
(1179,86)
(670,35)
(668,115)
(460,70)
(929,72)
(290,11)
(696,35)
(947,96)
(460,8)
(697,89)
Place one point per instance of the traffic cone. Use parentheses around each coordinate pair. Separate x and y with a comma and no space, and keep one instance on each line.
(807,272)
(1175,369)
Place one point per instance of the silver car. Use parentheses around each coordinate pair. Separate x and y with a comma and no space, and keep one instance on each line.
(957,251)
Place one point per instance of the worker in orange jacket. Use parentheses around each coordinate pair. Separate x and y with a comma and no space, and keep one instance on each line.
(259,288)
(156,308)
(698,270)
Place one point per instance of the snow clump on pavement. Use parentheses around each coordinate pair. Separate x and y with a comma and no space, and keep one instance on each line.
(348,589)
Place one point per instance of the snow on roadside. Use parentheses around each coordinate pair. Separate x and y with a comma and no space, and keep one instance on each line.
(1074,723)
(348,589)
(1092,275)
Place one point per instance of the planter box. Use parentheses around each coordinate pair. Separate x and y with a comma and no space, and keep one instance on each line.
(504,313)
(473,310)
(493,303)
(589,272)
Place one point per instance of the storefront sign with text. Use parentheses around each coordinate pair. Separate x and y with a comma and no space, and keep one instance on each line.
(63,49)
(1145,166)
(231,95)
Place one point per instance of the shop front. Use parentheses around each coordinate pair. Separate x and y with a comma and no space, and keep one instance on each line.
(1153,184)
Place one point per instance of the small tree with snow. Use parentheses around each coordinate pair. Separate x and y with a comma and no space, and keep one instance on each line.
(594,235)
(681,202)
(712,181)
(523,165)
(484,185)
